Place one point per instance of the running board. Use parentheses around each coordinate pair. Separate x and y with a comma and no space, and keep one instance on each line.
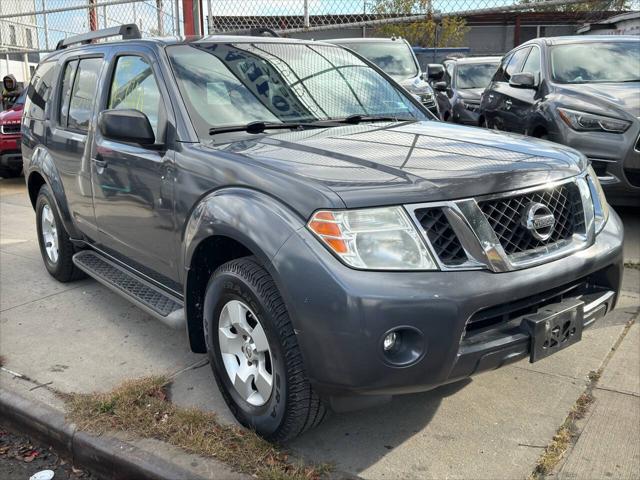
(153,300)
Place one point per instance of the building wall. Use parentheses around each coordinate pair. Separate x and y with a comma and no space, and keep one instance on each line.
(18,33)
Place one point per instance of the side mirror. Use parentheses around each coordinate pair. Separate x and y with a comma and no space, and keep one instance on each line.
(435,71)
(127,126)
(523,80)
(440,86)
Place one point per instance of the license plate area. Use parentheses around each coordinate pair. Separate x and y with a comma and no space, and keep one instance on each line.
(554,327)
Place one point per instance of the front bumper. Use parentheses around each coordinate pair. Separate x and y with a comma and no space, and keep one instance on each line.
(615,157)
(10,154)
(466,116)
(340,315)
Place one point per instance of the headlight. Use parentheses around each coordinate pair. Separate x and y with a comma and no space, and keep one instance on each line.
(600,205)
(588,122)
(374,239)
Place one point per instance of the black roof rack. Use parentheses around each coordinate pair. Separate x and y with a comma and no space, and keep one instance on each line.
(127,32)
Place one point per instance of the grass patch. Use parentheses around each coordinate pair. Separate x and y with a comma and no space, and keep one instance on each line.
(141,407)
(564,437)
(634,265)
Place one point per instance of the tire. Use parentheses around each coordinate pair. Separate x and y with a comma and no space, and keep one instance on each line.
(292,407)
(58,261)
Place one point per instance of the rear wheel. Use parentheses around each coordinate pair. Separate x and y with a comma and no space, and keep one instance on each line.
(254,353)
(55,247)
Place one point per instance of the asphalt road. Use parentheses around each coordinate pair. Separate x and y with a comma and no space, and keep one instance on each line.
(81,337)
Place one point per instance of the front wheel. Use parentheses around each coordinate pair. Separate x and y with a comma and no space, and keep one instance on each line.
(254,353)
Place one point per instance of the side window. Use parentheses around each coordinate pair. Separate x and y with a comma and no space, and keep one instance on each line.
(499,75)
(65,91)
(532,65)
(84,93)
(134,86)
(39,90)
(515,64)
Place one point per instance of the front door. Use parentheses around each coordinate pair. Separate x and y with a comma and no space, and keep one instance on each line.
(132,184)
(508,97)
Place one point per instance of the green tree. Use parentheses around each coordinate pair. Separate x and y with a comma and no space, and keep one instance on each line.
(589,6)
(450,32)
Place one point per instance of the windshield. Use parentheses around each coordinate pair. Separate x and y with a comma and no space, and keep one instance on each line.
(395,58)
(595,62)
(236,84)
(475,75)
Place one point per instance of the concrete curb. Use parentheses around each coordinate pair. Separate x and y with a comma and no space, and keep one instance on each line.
(107,457)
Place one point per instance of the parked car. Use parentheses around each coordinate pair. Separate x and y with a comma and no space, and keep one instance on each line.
(322,237)
(467,78)
(10,155)
(396,58)
(437,77)
(581,91)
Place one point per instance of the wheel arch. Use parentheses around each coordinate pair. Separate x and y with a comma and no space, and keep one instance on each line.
(225,225)
(42,171)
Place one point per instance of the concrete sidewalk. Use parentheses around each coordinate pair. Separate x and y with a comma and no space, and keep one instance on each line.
(80,337)
(609,441)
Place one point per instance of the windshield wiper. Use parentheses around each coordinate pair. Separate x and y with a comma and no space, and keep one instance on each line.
(259,127)
(357,118)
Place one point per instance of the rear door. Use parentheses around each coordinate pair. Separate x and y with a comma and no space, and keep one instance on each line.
(71,134)
(133,184)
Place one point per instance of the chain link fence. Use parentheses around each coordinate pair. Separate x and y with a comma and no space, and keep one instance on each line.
(30,27)
(296,16)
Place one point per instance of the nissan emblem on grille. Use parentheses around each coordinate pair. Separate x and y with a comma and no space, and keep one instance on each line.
(539,220)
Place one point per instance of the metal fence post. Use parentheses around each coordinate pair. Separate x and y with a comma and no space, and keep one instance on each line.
(176,5)
(159,14)
(46,25)
(306,14)
(209,18)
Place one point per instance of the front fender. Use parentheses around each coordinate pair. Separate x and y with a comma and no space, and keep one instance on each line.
(255,219)
(41,162)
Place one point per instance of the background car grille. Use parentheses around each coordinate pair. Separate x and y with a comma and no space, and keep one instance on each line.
(442,237)
(10,128)
(505,217)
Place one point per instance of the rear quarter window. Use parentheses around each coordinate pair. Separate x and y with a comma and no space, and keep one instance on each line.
(39,90)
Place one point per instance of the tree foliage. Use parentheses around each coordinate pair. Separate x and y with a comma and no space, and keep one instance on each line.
(449,32)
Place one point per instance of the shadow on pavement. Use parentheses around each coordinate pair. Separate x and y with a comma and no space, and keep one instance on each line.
(357,440)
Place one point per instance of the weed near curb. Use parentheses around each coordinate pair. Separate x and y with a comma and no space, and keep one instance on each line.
(141,407)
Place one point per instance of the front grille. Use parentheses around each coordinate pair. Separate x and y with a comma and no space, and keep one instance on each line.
(505,217)
(441,236)
(10,128)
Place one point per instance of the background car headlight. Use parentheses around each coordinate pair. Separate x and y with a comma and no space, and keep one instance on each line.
(588,122)
(600,205)
(374,238)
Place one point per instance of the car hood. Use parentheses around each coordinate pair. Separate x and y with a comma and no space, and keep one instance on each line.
(408,162)
(623,98)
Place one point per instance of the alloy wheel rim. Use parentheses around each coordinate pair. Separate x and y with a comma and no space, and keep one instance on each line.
(245,353)
(49,233)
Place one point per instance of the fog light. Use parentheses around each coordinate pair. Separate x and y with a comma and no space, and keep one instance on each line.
(390,341)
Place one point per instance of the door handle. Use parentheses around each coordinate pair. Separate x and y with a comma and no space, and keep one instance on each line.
(508,103)
(101,163)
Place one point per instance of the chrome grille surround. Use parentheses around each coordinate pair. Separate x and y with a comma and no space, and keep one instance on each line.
(481,243)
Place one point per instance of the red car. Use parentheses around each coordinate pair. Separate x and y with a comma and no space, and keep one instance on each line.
(10,155)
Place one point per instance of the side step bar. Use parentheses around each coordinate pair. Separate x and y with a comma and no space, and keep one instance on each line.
(153,300)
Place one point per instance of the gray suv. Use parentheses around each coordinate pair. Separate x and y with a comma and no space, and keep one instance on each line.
(583,92)
(319,236)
